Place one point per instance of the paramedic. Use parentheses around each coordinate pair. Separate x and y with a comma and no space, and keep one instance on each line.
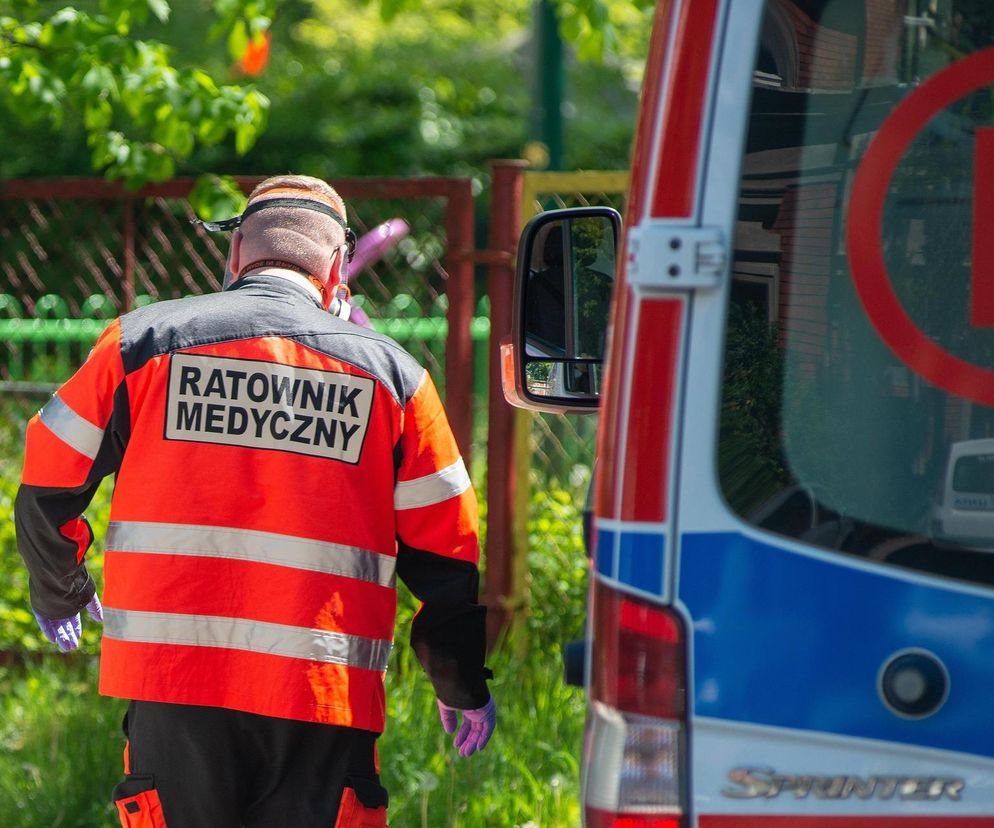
(276,468)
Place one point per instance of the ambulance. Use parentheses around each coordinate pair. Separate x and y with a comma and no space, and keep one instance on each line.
(785,338)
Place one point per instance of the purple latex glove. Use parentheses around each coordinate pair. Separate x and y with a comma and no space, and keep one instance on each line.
(65,632)
(477,726)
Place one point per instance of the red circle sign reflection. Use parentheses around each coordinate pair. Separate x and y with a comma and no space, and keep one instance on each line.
(864,232)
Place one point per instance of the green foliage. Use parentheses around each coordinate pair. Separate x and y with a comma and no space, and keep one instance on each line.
(61,745)
(140,114)
(375,88)
(440,88)
(434,90)
(557,569)
(246,21)
(750,457)
(528,772)
(216,197)
(563,448)
(599,28)
(538,372)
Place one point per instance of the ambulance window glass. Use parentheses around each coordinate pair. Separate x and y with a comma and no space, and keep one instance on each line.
(828,434)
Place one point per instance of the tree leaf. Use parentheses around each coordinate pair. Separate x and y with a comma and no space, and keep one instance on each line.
(238,40)
(245,135)
(216,197)
(98,115)
(160,8)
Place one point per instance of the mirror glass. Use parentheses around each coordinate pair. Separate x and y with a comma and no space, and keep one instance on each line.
(567,293)
(561,378)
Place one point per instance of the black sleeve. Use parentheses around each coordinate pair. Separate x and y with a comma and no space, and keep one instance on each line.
(52,533)
(59,584)
(448,634)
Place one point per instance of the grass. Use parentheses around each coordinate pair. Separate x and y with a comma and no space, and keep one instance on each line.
(61,747)
(529,772)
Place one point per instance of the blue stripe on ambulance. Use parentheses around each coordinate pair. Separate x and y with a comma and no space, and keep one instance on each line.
(635,559)
(797,641)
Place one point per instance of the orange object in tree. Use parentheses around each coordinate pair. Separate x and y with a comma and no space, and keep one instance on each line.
(256,55)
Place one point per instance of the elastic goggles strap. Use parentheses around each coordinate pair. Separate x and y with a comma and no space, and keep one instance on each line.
(302,203)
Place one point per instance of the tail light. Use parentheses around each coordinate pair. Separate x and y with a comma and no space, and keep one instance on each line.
(635,747)
(600,819)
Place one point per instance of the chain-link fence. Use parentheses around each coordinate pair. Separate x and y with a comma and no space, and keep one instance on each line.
(91,243)
(74,254)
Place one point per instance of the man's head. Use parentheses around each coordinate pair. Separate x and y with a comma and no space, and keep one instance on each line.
(307,240)
(548,248)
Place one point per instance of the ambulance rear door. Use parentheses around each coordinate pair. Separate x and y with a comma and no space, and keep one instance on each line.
(841,651)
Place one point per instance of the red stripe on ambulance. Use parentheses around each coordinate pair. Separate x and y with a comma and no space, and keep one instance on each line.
(608,439)
(645,483)
(655,68)
(675,183)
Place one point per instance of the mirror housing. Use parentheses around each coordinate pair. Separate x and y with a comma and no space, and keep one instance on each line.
(554,358)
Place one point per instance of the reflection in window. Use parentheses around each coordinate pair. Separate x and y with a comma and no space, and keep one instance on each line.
(826,435)
(593,276)
(974,475)
(545,292)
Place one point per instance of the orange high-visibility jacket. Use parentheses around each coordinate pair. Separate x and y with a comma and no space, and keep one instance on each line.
(276,467)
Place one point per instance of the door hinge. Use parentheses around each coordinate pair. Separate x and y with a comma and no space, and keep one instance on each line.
(669,256)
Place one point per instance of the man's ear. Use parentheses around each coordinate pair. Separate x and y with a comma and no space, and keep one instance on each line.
(235,253)
(338,271)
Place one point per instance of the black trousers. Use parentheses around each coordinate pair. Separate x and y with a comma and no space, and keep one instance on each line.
(205,767)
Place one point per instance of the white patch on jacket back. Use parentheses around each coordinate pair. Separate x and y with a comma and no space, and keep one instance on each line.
(264,405)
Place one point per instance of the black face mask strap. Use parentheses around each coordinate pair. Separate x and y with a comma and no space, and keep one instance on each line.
(215,226)
(302,203)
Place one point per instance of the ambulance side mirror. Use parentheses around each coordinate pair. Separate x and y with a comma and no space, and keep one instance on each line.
(553,359)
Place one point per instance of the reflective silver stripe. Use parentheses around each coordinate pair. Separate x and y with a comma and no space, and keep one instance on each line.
(243,634)
(252,545)
(433,488)
(71,428)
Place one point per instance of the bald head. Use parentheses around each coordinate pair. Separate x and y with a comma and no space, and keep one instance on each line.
(306,239)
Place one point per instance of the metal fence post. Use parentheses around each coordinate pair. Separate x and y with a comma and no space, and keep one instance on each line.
(460,292)
(505,210)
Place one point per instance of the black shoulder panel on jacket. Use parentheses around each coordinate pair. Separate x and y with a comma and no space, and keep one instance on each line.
(260,306)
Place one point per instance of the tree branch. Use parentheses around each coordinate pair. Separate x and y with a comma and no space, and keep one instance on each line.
(9,38)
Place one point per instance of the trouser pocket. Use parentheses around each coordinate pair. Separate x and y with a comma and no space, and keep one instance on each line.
(138,804)
(363,805)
